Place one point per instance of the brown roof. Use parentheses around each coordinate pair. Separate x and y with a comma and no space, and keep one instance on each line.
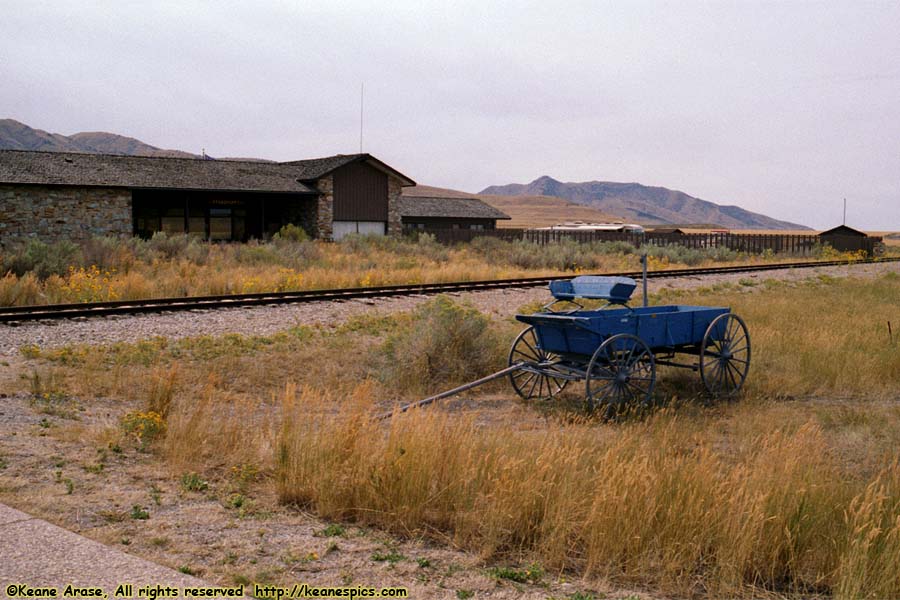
(472,208)
(844,230)
(313,168)
(147,172)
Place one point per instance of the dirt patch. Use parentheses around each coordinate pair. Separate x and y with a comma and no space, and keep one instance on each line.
(64,462)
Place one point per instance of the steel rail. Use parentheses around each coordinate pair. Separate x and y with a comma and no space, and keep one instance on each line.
(14,314)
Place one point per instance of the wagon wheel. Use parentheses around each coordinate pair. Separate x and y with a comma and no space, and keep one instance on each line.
(529,384)
(622,372)
(725,355)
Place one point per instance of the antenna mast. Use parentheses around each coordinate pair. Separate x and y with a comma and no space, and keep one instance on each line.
(845,207)
(361,91)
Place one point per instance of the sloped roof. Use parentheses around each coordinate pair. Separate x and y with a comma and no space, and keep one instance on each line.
(844,230)
(313,168)
(147,172)
(460,208)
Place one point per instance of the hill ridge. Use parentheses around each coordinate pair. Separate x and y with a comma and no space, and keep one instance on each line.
(15,135)
(648,205)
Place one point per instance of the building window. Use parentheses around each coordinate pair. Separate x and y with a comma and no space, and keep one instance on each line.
(196,221)
(172,220)
(219,223)
(477,226)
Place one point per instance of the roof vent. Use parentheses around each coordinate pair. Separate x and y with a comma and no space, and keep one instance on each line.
(68,160)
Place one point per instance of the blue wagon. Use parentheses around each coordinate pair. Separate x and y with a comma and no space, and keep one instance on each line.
(615,351)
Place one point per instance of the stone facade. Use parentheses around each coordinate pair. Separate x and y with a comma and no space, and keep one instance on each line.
(55,213)
(395,223)
(325,208)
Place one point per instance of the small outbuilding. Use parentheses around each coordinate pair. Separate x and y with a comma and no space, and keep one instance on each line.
(847,239)
(419,212)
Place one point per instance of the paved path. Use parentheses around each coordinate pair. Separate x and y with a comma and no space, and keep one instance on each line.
(39,554)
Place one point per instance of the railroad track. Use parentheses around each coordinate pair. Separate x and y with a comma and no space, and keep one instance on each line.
(17,314)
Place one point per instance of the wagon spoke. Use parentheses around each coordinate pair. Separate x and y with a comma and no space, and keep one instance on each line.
(638,360)
(531,377)
(734,327)
(527,383)
(718,345)
(603,392)
(725,354)
(622,394)
(736,341)
(630,354)
(640,391)
(642,364)
(717,376)
(522,373)
(621,372)
(607,389)
(532,348)
(740,372)
(527,357)
(728,369)
(723,376)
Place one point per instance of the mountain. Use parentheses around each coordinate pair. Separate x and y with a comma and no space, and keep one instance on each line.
(643,204)
(18,136)
(525,211)
(429,191)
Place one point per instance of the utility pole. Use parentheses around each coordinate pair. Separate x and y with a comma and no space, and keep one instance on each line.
(362,87)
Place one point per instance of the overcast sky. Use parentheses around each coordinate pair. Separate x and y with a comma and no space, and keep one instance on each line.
(781,108)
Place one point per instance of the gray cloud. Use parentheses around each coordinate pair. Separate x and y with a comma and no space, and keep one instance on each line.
(783,108)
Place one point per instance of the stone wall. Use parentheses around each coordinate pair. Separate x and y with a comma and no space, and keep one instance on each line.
(395,223)
(325,209)
(54,213)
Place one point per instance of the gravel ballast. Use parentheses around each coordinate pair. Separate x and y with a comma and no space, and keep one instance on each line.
(267,320)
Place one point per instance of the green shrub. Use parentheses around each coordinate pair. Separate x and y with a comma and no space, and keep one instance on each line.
(145,427)
(192,482)
(111,253)
(443,344)
(43,259)
(180,245)
(291,233)
(254,253)
(423,245)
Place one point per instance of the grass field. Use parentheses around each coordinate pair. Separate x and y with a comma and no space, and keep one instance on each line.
(110,269)
(794,490)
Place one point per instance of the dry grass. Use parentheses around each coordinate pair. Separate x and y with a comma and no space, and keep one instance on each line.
(109,269)
(752,498)
(793,490)
(822,337)
(544,211)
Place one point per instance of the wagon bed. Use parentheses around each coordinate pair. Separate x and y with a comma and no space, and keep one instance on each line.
(616,350)
(661,327)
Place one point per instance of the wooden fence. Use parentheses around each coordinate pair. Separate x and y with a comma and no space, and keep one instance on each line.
(741,242)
